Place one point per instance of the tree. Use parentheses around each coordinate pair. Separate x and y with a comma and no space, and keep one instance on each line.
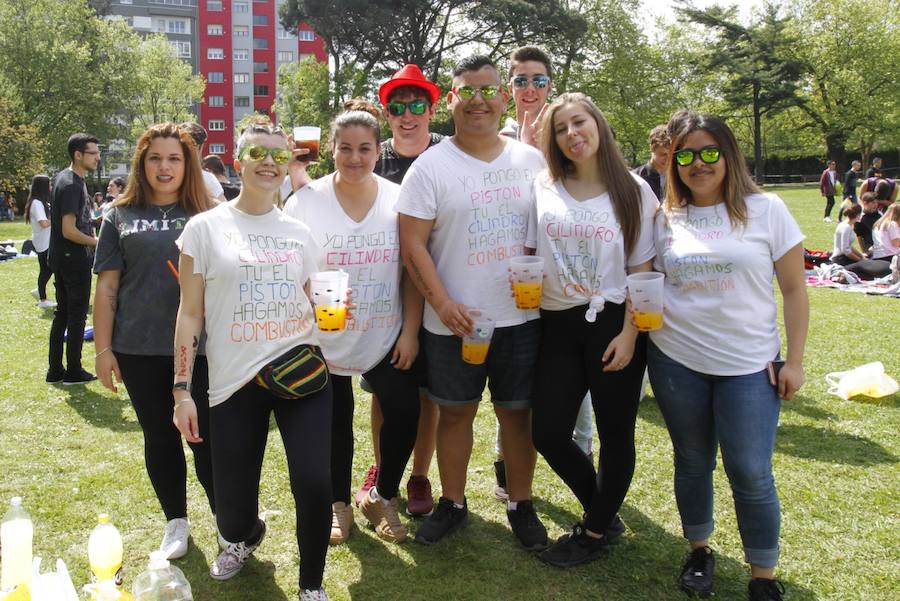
(21,157)
(762,70)
(304,99)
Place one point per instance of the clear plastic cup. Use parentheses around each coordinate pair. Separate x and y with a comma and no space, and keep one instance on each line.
(475,346)
(646,290)
(308,136)
(528,279)
(329,293)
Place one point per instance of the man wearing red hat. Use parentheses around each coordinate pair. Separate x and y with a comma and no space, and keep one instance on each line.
(408,100)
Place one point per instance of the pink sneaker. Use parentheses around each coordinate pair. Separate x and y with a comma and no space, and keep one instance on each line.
(369,482)
(419,501)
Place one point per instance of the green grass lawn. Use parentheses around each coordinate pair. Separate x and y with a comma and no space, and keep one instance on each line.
(73,452)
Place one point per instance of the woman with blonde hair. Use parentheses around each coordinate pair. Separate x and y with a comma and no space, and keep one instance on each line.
(593,225)
(714,365)
(886,234)
(135,303)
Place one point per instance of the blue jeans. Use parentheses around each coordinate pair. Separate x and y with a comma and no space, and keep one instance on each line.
(740,414)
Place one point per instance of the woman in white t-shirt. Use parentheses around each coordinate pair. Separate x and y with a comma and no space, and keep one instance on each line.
(720,241)
(592,224)
(846,255)
(37,213)
(886,234)
(352,218)
(245,269)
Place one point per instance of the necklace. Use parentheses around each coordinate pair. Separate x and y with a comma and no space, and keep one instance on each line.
(165,213)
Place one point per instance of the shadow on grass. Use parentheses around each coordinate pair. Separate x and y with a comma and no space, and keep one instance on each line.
(805,406)
(892,401)
(256,575)
(829,446)
(101,410)
(484,561)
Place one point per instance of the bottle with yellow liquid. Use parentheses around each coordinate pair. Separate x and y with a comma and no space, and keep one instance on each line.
(105,552)
(16,535)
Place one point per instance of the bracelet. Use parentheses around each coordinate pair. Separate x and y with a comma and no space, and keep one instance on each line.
(182,386)
(101,352)
(184,400)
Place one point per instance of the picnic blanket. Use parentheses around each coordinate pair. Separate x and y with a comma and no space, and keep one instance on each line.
(831,275)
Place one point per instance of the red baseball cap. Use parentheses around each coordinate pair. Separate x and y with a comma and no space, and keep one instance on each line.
(409,75)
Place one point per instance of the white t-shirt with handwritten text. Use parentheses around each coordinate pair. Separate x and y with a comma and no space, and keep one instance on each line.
(254,268)
(480,212)
(719,312)
(582,244)
(369,251)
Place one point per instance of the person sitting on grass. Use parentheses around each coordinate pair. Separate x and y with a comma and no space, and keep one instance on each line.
(846,255)
(886,235)
(863,227)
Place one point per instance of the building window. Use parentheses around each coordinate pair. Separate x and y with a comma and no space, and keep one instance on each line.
(284,35)
(260,19)
(216,101)
(240,7)
(241,78)
(216,77)
(183,49)
(214,30)
(217,148)
(240,31)
(285,56)
(216,125)
(242,55)
(241,101)
(260,67)
(215,53)
(179,26)
(214,5)
(306,36)
(260,90)
(260,43)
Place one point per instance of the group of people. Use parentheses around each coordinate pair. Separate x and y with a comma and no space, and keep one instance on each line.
(217,293)
(883,188)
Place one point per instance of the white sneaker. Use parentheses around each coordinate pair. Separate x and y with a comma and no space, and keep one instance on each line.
(313,595)
(175,540)
(36,294)
(47,304)
(827,220)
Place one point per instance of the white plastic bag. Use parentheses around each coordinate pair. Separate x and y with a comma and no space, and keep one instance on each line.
(868,380)
(52,586)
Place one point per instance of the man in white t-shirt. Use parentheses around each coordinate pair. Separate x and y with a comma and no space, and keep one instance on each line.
(464,207)
(213,187)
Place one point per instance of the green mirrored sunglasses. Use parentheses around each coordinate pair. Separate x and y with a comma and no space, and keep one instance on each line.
(468,92)
(257,152)
(686,156)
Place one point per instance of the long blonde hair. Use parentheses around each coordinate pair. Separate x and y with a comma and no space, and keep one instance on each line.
(624,191)
(193,196)
(737,184)
(891,214)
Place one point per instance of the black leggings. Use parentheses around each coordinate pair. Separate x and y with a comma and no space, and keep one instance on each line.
(569,364)
(866,269)
(398,392)
(829,204)
(148,380)
(44,274)
(240,429)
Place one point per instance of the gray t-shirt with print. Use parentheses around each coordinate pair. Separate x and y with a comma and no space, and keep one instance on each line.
(139,242)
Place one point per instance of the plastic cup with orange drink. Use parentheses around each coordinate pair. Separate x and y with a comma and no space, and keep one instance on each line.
(646,290)
(527,280)
(475,345)
(329,293)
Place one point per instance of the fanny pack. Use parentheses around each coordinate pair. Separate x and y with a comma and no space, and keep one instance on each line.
(298,373)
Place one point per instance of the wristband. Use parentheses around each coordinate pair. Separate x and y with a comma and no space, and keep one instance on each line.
(182,386)
(101,352)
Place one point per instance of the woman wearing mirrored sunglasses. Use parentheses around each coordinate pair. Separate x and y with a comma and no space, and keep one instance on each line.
(352,217)
(720,240)
(135,303)
(245,268)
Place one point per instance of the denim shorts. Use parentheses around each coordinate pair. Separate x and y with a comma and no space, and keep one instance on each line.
(508,370)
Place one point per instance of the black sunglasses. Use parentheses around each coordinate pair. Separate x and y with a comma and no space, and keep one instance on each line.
(539,82)
(416,107)
(686,156)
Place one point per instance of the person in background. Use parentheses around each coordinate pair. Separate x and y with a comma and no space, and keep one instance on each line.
(37,213)
(846,255)
(114,189)
(213,187)
(213,164)
(851,180)
(827,184)
(863,227)
(885,191)
(654,172)
(135,304)
(886,235)
(97,211)
(875,169)
(71,254)
(408,101)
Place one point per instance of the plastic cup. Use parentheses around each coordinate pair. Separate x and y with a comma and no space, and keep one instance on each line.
(646,289)
(528,279)
(329,291)
(308,136)
(475,346)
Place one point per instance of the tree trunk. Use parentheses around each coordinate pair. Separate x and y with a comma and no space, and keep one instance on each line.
(836,142)
(758,164)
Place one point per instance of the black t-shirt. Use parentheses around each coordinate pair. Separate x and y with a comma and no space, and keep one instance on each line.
(230,190)
(863,228)
(392,166)
(70,197)
(873,172)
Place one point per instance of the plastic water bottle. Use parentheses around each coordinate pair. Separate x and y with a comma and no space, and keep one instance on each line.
(161,582)
(16,533)
(106,590)
(105,552)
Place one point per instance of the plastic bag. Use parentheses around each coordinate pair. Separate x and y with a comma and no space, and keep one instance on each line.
(868,380)
(52,586)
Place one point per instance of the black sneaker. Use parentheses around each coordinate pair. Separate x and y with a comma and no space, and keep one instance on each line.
(615,529)
(500,492)
(763,589)
(574,549)
(527,527)
(697,572)
(445,518)
(55,376)
(81,377)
